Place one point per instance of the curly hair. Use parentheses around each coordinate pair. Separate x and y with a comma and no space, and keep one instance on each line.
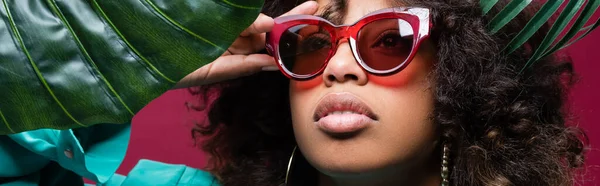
(505,127)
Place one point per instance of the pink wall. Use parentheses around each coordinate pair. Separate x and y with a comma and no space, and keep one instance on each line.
(161,131)
(586,98)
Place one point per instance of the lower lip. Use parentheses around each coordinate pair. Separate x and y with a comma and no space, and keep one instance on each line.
(343,123)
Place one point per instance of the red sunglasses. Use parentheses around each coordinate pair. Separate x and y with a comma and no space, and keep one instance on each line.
(383,42)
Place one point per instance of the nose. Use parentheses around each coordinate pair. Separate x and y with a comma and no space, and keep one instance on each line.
(343,67)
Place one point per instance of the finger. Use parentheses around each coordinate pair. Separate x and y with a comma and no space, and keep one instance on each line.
(228,67)
(248,45)
(235,66)
(252,39)
(306,8)
(262,24)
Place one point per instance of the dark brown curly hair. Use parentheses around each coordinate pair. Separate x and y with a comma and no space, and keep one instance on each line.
(505,127)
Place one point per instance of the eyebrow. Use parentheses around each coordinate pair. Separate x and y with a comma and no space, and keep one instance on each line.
(336,10)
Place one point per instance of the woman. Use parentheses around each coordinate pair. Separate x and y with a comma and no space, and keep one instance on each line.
(413,96)
(459,113)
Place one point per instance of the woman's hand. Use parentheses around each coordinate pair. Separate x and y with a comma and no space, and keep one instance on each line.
(240,58)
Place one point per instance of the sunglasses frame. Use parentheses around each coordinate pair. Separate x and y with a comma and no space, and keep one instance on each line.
(418,18)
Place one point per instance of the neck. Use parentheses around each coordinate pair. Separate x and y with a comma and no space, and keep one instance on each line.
(425,174)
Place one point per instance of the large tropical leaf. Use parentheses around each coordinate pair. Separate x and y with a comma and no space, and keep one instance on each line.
(74,63)
(577,12)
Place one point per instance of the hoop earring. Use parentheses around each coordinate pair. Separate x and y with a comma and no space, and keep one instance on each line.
(445,169)
(287,173)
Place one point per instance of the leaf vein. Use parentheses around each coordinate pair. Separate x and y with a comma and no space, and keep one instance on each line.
(180,26)
(150,65)
(17,35)
(6,122)
(241,6)
(87,56)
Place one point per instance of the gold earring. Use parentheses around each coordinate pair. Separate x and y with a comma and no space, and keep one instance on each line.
(445,169)
(287,173)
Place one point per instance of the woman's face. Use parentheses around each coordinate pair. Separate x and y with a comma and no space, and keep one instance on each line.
(386,124)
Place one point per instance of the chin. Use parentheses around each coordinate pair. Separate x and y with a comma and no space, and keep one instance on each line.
(346,168)
(362,155)
(350,160)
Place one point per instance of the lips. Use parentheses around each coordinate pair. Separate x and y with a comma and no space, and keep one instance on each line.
(341,113)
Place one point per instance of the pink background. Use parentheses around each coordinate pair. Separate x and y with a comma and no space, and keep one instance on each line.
(161,131)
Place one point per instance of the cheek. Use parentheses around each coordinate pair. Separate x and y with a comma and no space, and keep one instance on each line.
(403,78)
(408,119)
(415,72)
(303,86)
(399,79)
(419,68)
(303,98)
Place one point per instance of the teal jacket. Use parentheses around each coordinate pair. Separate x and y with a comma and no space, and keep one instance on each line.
(62,157)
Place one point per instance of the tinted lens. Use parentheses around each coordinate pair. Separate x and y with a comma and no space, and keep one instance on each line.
(304,48)
(385,44)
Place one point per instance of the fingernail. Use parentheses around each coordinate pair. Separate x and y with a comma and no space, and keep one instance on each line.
(270,68)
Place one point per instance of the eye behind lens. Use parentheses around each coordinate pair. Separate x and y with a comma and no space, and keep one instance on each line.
(304,49)
(385,44)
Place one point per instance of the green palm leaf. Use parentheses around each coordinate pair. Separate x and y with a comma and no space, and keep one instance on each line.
(569,14)
(75,63)
(511,11)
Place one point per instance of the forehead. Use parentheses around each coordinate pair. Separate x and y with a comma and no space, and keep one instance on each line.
(350,11)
